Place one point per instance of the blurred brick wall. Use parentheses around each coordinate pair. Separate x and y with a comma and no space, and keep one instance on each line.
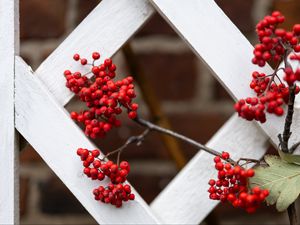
(194,101)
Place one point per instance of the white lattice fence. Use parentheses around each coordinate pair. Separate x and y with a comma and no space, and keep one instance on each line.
(33,102)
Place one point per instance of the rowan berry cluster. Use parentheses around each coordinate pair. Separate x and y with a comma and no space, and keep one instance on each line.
(105,98)
(232,186)
(275,45)
(113,194)
(273,40)
(97,169)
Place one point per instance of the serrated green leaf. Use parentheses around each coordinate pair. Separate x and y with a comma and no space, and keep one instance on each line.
(281,178)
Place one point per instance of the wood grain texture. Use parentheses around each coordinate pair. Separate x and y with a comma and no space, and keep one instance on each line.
(9,184)
(185,200)
(105,30)
(46,125)
(216,40)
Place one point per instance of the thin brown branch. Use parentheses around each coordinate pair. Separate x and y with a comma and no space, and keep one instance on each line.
(247,161)
(154,127)
(284,139)
(133,139)
(292,214)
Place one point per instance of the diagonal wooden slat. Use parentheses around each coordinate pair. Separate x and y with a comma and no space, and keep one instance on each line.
(9,180)
(48,128)
(105,30)
(215,39)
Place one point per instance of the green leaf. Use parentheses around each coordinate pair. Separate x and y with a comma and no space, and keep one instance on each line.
(281,178)
(291,158)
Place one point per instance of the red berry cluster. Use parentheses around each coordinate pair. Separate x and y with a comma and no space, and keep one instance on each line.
(97,169)
(103,96)
(114,194)
(270,96)
(273,40)
(232,186)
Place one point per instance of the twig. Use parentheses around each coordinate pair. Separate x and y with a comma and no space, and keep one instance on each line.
(154,127)
(292,214)
(248,161)
(284,139)
(133,139)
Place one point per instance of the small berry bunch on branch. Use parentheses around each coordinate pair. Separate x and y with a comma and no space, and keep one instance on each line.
(272,93)
(233,186)
(105,98)
(97,169)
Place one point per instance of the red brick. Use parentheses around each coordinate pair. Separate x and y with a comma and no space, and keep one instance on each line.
(84,7)
(42,19)
(149,186)
(29,155)
(24,195)
(240,12)
(156,25)
(198,126)
(173,76)
(290,9)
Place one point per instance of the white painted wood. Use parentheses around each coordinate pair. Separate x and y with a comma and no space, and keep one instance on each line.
(185,200)
(216,40)
(47,127)
(105,30)
(9,38)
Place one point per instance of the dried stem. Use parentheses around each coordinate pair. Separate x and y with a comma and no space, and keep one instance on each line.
(292,214)
(154,127)
(133,139)
(284,139)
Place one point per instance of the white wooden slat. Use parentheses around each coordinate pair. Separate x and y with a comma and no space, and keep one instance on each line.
(216,40)
(105,30)
(185,200)
(9,38)
(47,127)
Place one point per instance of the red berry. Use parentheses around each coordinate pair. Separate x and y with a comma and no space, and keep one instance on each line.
(83,61)
(132,115)
(76,57)
(96,55)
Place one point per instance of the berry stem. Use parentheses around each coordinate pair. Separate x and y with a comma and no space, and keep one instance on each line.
(247,161)
(133,139)
(292,214)
(154,127)
(288,122)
